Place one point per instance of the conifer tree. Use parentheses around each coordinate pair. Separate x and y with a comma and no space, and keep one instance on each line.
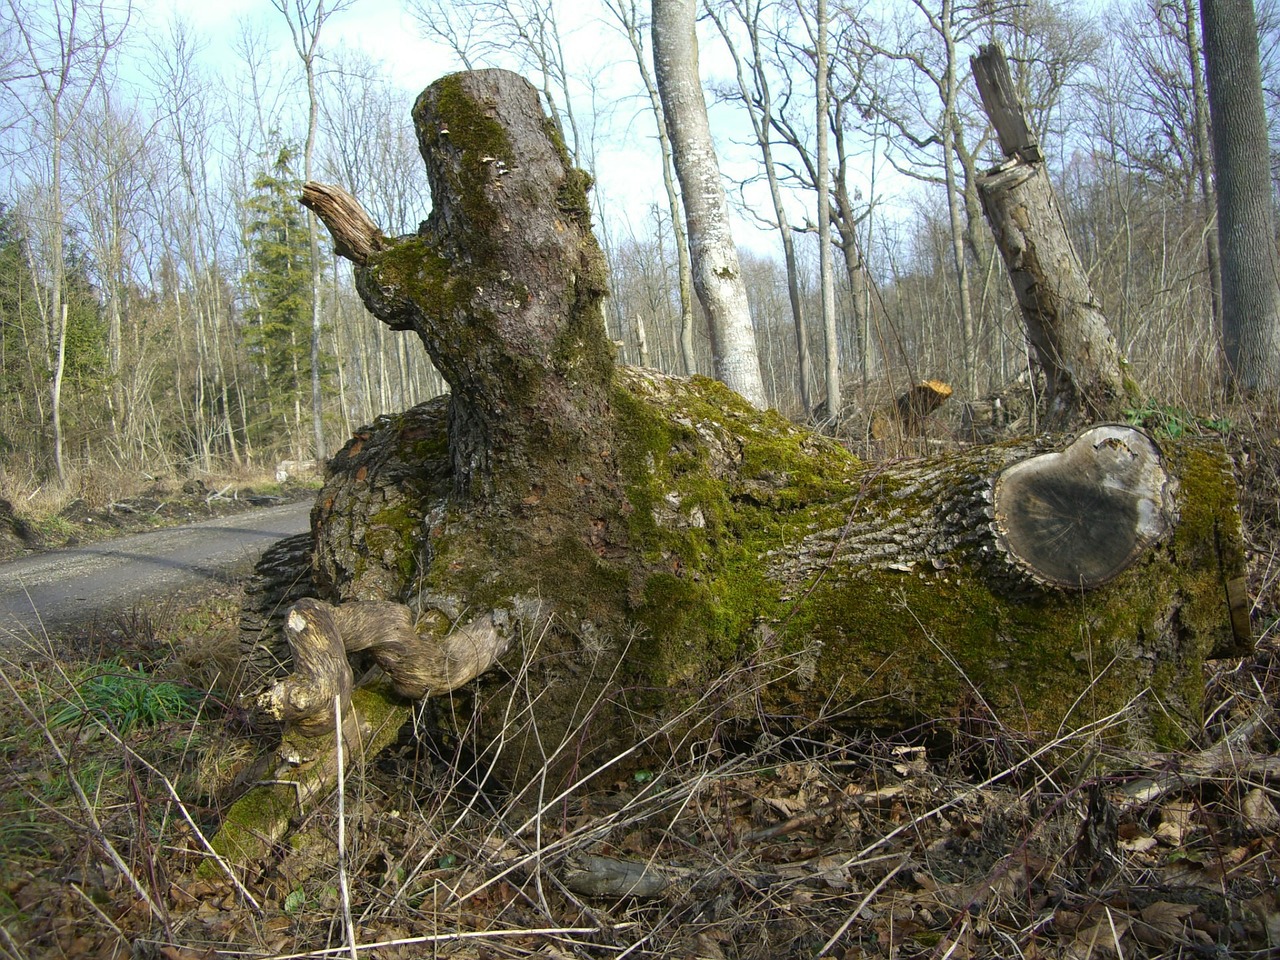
(278,288)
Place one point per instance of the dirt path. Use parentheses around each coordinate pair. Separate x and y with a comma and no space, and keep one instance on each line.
(43,592)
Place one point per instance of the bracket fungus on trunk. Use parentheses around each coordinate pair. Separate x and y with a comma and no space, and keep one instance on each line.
(1078,517)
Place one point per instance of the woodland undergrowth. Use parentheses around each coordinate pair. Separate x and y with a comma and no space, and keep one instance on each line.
(971,837)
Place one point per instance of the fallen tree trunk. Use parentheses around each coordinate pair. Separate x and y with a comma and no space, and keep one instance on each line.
(640,553)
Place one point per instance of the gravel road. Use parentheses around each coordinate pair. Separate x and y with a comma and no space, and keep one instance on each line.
(43,592)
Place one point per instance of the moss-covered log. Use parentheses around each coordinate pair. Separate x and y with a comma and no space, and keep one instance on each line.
(889,592)
(634,541)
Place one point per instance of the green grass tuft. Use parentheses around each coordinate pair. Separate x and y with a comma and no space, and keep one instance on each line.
(127,698)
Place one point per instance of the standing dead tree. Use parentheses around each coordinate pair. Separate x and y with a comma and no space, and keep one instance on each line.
(1070,336)
(621,544)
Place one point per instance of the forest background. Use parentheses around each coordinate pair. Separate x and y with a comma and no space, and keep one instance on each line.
(167,308)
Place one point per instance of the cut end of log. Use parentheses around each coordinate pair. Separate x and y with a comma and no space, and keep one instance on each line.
(1079,517)
(907,414)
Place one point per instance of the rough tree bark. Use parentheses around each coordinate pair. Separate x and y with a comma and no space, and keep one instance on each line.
(647,556)
(1070,336)
(1242,164)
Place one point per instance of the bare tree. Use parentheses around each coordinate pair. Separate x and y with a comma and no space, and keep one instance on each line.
(520,34)
(306,19)
(64,51)
(1250,272)
(717,273)
(626,12)
(756,94)
(370,149)
(821,133)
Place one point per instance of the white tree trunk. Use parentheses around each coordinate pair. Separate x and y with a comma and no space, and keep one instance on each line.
(625,11)
(717,273)
(826,267)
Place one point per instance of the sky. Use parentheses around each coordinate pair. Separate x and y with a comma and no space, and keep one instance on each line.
(626,165)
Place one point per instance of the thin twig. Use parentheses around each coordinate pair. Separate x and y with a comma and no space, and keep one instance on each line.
(186,815)
(343,888)
(433,938)
(853,914)
(94,825)
(10,945)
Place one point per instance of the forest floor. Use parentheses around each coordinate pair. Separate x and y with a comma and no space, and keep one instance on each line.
(118,759)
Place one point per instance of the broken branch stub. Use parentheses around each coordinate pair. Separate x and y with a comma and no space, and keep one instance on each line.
(304,699)
(355,236)
(1078,517)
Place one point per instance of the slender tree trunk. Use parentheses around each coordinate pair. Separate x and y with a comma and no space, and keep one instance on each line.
(760,108)
(826,272)
(1204,158)
(1246,232)
(57,302)
(717,273)
(313,237)
(627,15)
(954,212)
(55,396)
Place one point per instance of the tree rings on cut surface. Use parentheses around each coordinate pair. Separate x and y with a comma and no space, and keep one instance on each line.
(1078,517)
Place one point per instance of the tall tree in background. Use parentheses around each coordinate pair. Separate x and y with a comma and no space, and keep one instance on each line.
(755,92)
(627,14)
(826,267)
(63,51)
(280,293)
(21,374)
(1250,272)
(306,18)
(717,272)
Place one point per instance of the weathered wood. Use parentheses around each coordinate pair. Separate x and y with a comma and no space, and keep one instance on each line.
(1070,336)
(321,672)
(504,284)
(1000,104)
(301,771)
(422,655)
(1078,518)
(355,235)
(747,533)
(908,412)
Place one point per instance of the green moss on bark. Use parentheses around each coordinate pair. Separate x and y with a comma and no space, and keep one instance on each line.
(714,499)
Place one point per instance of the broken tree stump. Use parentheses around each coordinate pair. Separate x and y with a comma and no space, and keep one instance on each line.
(907,414)
(1069,334)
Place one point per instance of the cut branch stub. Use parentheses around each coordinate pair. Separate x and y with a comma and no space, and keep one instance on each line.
(1079,517)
